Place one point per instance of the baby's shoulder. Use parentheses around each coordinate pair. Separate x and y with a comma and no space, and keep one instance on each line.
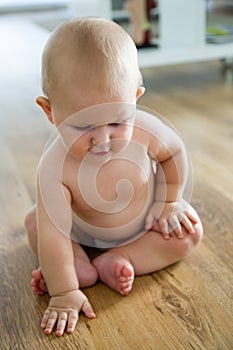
(147,126)
(148,121)
(52,158)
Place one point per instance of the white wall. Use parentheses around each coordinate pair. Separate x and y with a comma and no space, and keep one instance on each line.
(21,5)
(101,8)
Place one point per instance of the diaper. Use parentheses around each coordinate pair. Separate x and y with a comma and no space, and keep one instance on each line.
(106,238)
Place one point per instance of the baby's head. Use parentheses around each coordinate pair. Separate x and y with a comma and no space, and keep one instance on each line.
(89,62)
(90,58)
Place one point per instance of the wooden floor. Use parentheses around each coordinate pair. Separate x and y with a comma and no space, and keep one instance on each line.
(186,306)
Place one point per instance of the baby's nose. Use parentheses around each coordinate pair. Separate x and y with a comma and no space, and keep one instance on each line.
(101,134)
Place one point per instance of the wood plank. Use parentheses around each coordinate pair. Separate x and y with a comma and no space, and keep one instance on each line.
(16,260)
(175,304)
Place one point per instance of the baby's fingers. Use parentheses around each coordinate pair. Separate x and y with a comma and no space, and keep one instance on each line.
(72,321)
(61,324)
(45,318)
(191,217)
(73,316)
(88,310)
(188,225)
(48,321)
(163,224)
(176,226)
(149,221)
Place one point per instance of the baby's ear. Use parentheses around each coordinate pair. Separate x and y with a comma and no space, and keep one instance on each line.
(44,103)
(140,92)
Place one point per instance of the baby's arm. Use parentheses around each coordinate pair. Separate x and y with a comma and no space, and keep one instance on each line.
(169,211)
(57,263)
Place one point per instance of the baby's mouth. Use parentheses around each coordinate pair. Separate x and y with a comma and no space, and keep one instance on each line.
(100,150)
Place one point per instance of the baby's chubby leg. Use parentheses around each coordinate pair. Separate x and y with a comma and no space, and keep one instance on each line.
(86,272)
(152,252)
(147,254)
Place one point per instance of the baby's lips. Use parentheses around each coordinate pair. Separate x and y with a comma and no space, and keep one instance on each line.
(100,150)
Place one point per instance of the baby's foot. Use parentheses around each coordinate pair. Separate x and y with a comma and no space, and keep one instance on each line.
(115,271)
(38,283)
(86,272)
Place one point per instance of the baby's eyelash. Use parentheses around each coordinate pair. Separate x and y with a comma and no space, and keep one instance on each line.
(88,127)
(115,124)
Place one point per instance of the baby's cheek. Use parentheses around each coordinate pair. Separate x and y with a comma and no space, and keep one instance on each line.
(78,149)
(119,144)
(73,140)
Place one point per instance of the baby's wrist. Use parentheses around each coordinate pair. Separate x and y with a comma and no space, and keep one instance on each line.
(61,294)
(69,300)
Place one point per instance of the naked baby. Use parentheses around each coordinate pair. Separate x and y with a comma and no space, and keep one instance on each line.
(96,182)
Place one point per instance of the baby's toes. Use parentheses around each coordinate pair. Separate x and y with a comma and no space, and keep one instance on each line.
(123,279)
(34,282)
(126,285)
(35,287)
(37,274)
(125,290)
(43,286)
(127,271)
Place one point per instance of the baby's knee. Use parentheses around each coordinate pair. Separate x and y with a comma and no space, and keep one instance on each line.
(197,237)
(190,242)
(31,227)
(30,219)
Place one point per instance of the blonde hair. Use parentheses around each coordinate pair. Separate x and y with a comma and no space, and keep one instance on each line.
(104,54)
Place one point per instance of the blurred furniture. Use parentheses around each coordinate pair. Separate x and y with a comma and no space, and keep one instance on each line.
(182,31)
(182,35)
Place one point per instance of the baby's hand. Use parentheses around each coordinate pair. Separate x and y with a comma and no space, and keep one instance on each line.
(64,310)
(170,217)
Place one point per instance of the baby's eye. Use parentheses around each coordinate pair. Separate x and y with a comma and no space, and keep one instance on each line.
(115,124)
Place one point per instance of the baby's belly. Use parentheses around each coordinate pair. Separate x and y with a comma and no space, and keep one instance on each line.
(112,205)
(125,226)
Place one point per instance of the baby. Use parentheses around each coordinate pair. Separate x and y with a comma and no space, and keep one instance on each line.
(113,176)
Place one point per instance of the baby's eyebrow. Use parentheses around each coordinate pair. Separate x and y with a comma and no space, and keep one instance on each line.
(77,122)
(91,123)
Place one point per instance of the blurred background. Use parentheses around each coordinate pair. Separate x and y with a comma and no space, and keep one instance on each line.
(184,29)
